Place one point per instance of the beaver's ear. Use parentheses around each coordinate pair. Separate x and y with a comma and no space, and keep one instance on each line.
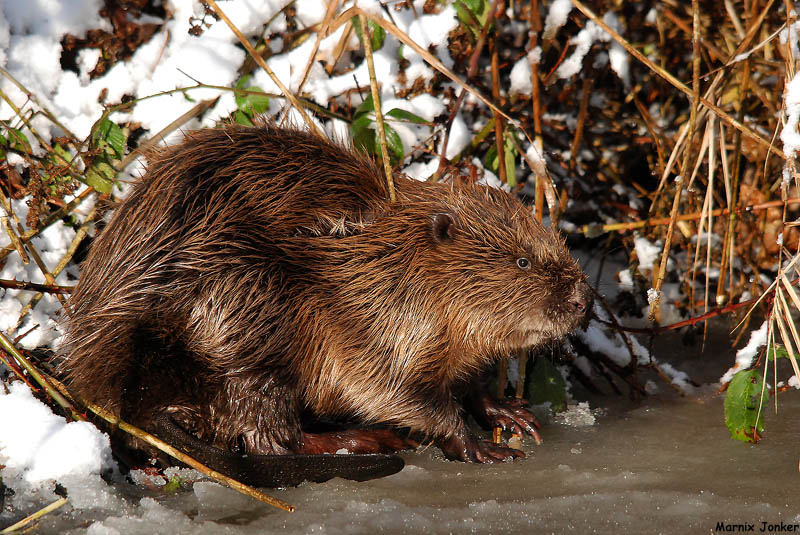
(443,228)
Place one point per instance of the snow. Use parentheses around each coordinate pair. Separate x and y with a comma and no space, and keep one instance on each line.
(625,280)
(746,355)
(583,43)
(789,134)
(647,252)
(556,17)
(579,415)
(38,447)
(653,295)
(520,77)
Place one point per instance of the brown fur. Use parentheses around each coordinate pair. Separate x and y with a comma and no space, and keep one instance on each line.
(256,273)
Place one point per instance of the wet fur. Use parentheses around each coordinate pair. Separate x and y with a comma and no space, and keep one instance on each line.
(255,274)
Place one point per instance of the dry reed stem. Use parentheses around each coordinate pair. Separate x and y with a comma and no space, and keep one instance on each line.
(583,108)
(536,105)
(171,451)
(594,229)
(522,363)
(366,41)
(471,71)
(263,64)
(30,96)
(787,318)
(35,287)
(15,241)
(26,122)
(675,82)
(432,60)
(177,454)
(35,516)
(655,305)
(498,121)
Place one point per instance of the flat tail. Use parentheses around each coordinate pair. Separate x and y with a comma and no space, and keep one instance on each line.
(278,470)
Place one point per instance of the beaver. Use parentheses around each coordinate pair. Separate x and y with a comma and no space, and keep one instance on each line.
(255,277)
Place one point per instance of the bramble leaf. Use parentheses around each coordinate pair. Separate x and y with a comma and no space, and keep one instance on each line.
(404,115)
(742,401)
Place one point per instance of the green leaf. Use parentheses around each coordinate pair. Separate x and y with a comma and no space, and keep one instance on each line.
(378,34)
(61,156)
(511,158)
(366,138)
(404,115)
(250,104)
(510,154)
(545,384)
(108,134)
(776,352)
(173,485)
(742,401)
(100,175)
(17,140)
(241,118)
(393,143)
(363,135)
(473,13)
(365,107)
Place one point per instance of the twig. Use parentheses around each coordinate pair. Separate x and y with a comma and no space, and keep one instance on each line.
(366,39)
(36,287)
(594,230)
(471,70)
(182,457)
(655,305)
(38,514)
(498,121)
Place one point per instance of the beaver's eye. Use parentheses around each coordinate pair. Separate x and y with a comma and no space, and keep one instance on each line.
(523,263)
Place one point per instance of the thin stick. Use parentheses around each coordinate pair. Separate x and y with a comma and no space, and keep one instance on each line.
(655,305)
(37,259)
(38,514)
(9,347)
(35,287)
(366,39)
(52,218)
(169,450)
(593,229)
(498,121)
(322,32)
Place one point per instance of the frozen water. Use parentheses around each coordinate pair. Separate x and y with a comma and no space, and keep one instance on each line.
(666,465)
